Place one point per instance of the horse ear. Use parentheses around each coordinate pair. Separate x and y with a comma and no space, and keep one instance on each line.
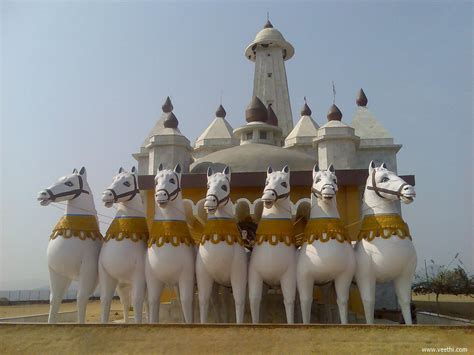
(121,170)
(74,171)
(286,169)
(384,166)
(371,166)
(134,170)
(160,167)
(177,169)
(331,168)
(269,170)
(83,171)
(210,172)
(226,172)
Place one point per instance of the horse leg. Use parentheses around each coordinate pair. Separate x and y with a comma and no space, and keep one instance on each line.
(305,283)
(403,289)
(342,284)
(255,293)
(107,290)
(138,291)
(186,293)
(123,291)
(204,284)
(154,289)
(365,278)
(288,288)
(59,285)
(238,280)
(88,277)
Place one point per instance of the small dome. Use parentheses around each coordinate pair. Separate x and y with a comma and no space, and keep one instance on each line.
(171,121)
(334,114)
(272,119)
(361,98)
(269,36)
(221,112)
(256,111)
(167,107)
(306,111)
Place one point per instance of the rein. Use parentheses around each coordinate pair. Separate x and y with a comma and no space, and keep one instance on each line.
(378,190)
(131,193)
(174,193)
(75,192)
(318,193)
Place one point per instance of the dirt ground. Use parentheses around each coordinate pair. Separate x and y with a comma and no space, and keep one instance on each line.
(229,339)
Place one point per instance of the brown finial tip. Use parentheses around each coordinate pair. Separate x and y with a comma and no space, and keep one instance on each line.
(272,119)
(306,111)
(221,112)
(256,111)
(334,114)
(361,99)
(268,24)
(167,106)
(171,121)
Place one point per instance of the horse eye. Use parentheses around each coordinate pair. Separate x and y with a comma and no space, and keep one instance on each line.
(385,179)
(69,183)
(284,184)
(126,183)
(224,187)
(318,180)
(172,181)
(335,181)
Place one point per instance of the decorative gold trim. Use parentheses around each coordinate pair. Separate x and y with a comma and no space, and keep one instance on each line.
(169,232)
(275,231)
(324,229)
(132,228)
(385,226)
(82,227)
(220,230)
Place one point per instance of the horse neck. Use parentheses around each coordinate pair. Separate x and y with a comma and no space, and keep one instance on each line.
(321,209)
(174,210)
(81,205)
(280,209)
(225,211)
(132,208)
(374,204)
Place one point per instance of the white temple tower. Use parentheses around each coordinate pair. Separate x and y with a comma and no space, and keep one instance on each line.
(269,50)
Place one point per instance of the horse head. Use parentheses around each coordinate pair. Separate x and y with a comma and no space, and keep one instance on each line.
(387,185)
(167,185)
(277,186)
(124,188)
(218,189)
(324,184)
(66,188)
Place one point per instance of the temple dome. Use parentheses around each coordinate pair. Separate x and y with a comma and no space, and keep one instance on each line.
(270,36)
(254,157)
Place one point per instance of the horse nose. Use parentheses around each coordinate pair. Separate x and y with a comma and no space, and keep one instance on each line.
(407,188)
(107,194)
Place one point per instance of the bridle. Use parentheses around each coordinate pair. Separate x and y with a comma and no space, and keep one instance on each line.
(223,200)
(173,194)
(378,190)
(277,196)
(318,193)
(131,193)
(75,192)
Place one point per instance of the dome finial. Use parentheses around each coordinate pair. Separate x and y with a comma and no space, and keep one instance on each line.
(221,112)
(305,111)
(361,98)
(334,114)
(268,24)
(272,119)
(171,121)
(167,106)
(256,111)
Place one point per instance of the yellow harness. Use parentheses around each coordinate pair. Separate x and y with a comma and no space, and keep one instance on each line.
(82,227)
(275,231)
(324,229)
(172,232)
(220,230)
(385,226)
(133,228)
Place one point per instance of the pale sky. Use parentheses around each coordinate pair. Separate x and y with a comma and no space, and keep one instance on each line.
(83,83)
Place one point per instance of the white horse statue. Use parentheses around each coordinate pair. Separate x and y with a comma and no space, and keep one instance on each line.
(221,257)
(122,257)
(170,258)
(273,259)
(74,246)
(326,253)
(385,251)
